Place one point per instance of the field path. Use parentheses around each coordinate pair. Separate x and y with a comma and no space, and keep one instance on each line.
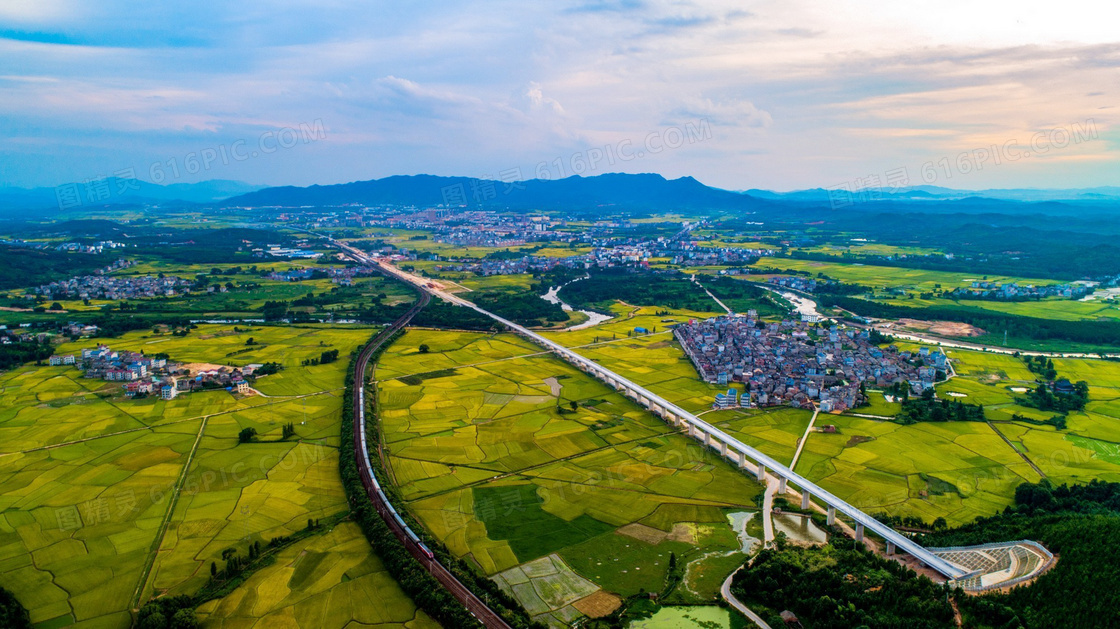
(804,438)
(149,563)
(1017,451)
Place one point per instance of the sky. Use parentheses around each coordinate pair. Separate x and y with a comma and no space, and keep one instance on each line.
(778,95)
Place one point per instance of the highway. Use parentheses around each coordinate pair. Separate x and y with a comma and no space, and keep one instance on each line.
(711,436)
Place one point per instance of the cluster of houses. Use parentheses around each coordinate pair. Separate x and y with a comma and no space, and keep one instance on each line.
(302,251)
(799,364)
(97,247)
(114,287)
(526,264)
(803,284)
(1013,291)
(142,375)
(343,276)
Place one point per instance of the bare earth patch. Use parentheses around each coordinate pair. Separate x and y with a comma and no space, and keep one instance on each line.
(195,368)
(942,328)
(644,533)
(598,605)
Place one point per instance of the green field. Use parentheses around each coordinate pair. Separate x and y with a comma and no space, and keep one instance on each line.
(884,277)
(330,581)
(485,460)
(100,508)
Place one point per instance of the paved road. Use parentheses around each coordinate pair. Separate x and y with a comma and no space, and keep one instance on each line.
(725,590)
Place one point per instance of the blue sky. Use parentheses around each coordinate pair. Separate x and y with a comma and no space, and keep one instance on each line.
(777,95)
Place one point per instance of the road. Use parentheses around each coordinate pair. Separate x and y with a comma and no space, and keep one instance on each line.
(725,590)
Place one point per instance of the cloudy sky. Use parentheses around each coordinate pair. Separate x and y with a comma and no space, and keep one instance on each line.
(777,95)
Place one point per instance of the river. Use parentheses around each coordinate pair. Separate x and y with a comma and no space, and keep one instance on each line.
(593,318)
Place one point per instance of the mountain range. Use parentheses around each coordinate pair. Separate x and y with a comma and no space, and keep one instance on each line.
(608,192)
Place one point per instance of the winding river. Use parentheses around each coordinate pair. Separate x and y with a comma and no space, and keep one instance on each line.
(593,318)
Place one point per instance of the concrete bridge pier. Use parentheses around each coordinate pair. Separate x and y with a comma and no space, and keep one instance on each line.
(831,516)
(708,439)
(723,449)
(805,498)
(890,548)
(782,485)
(742,461)
(859,532)
(761,472)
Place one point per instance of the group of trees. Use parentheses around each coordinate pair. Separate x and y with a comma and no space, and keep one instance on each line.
(168,612)
(1042,366)
(639,287)
(15,354)
(12,614)
(841,586)
(325,358)
(1050,397)
(522,307)
(928,409)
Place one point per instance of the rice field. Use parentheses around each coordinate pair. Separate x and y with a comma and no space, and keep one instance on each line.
(488,453)
(107,501)
(330,581)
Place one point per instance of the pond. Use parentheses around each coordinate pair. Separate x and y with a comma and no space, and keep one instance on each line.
(693,617)
(739,521)
(799,528)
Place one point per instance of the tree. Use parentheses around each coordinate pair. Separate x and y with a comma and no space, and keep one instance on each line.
(246,435)
(213,569)
(424,349)
(56,306)
(251,341)
(574,405)
(183,619)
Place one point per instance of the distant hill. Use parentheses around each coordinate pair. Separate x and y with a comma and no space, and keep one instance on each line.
(650,192)
(1103,193)
(114,191)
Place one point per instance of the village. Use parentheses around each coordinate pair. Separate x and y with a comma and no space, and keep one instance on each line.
(142,375)
(800,364)
(115,287)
